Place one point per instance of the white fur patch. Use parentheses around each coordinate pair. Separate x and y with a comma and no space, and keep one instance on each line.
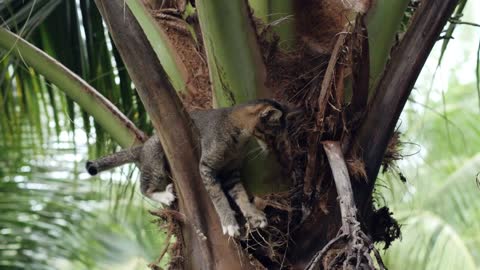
(231,230)
(256,218)
(262,145)
(263,223)
(165,197)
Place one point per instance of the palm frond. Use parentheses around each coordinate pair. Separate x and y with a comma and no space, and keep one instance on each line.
(429,242)
(91,55)
(461,191)
(237,70)
(451,27)
(382,30)
(161,44)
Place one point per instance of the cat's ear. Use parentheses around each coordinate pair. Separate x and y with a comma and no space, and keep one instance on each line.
(271,115)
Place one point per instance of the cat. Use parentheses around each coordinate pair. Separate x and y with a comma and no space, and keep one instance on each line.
(224,134)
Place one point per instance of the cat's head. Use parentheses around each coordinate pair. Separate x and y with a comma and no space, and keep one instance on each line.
(271,118)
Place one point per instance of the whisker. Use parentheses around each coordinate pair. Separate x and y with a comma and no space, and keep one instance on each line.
(253,150)
(260,153)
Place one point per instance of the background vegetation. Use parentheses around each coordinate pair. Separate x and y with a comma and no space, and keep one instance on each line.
(439,204)
(55,216)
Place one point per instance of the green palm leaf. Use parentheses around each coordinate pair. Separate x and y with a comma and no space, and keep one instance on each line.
(429,242)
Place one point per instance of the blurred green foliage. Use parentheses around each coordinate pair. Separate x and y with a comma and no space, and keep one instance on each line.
(439,205)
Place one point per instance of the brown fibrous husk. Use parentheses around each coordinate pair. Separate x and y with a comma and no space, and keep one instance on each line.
(191,54)
(393,152)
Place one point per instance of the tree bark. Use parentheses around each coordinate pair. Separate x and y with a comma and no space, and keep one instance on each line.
(205,247)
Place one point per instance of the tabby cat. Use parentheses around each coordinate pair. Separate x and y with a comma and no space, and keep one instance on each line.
(224,134)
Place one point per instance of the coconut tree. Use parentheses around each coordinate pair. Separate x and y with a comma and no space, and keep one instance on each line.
(350,64)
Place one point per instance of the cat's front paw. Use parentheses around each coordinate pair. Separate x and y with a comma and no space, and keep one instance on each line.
(232,230)
(230,226)
(256,218)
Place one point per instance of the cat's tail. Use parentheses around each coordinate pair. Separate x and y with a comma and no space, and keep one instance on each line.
(114,160)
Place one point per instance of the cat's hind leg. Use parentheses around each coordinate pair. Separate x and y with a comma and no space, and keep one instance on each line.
(165,197)
(152,183)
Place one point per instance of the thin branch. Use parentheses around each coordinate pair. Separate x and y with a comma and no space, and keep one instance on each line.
(329,76)
(448,33)
(352,246)
(464,23)
(316,261)
(342,181)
